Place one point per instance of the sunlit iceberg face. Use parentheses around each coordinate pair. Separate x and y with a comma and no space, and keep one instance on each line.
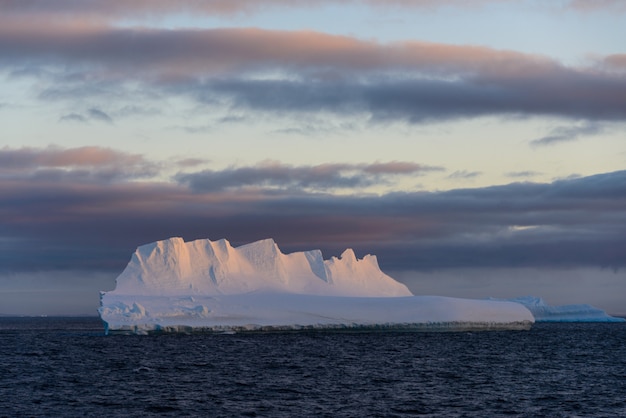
(204,267)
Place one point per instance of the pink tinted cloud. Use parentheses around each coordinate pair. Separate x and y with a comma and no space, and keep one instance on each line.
(108,9)
(84,164)
(616,62)
(90,164)
(90,156)
(115,9)
(192,53)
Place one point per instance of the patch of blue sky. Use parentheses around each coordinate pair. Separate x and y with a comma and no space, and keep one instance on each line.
(569,36)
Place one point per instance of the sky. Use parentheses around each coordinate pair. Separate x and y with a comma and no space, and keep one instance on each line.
(476,147)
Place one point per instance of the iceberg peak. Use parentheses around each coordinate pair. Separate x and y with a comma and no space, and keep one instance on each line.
(176,267)
(348,255)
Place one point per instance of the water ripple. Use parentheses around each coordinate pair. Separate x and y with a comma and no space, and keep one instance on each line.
(67,367)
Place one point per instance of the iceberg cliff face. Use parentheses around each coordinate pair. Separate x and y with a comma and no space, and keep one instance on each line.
(205,285)
(274,311)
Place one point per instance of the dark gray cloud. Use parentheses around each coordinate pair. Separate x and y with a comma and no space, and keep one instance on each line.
(319,126)
(569,133)
(417,101)
(465,175)
(525,174)
(568,223)
(97,114)
(92,114)
(73,117)
(283,176)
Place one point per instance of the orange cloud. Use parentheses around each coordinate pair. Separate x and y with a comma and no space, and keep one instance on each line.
(616,62)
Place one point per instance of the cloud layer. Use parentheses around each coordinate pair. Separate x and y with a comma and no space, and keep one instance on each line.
(273,174)
(291,72)
(96,225)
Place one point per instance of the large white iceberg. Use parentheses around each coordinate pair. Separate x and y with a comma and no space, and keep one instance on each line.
(204,285)
(563,313)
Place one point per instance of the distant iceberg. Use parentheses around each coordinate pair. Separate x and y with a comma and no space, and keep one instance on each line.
(203,285)
(563,313)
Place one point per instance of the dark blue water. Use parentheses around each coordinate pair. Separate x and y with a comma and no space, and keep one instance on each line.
(67,367)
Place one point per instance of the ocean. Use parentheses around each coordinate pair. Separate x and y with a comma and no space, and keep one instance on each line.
(68,367)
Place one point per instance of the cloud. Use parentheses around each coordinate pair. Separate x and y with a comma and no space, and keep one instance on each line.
(419,100)
(89,163)
(92,114)
(291,72)
(616,62)
(569,133)
(320,126)
(465,175)
(190,162)
(192,52)
(73,117)
(526,173)
(74,224)
(275,175)
(99,115)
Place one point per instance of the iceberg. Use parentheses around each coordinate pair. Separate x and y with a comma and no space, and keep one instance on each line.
(211,286)
(563,313)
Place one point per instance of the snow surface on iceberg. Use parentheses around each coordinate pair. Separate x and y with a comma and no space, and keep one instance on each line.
(564,313)
(172,285)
